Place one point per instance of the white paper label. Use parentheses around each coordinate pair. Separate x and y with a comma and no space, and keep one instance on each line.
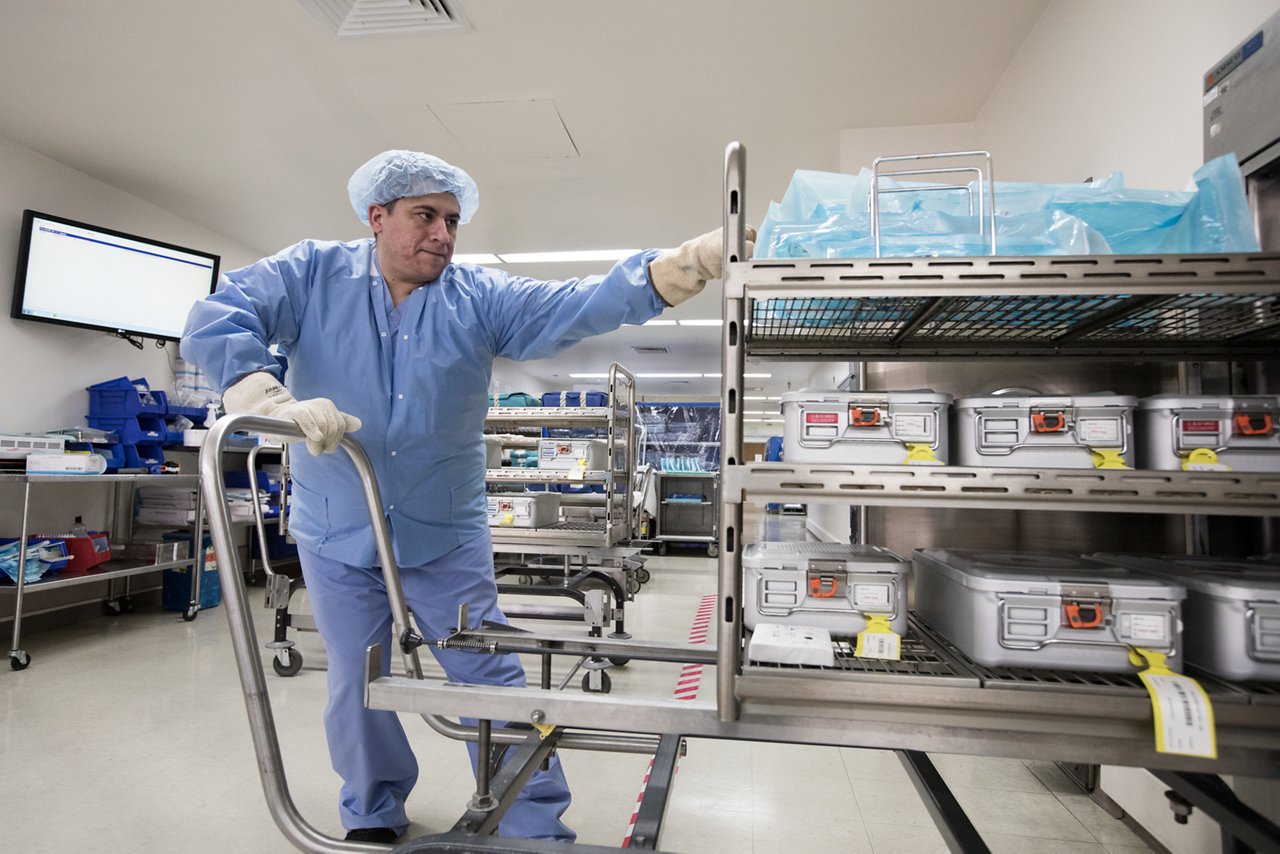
(1147,627)
(1185,718)
(1099,431)
(871,595)
(911,426)
(882,645)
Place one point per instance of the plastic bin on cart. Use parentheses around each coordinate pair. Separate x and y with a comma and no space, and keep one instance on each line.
(176,594)
(123,397)
(53,554)
(133,429)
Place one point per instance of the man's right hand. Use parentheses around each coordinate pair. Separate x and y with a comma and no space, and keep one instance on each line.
(321,422)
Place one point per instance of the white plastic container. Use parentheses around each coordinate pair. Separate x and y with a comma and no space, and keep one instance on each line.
(534,510)
(561,454)
(492,452)
(1209,432)
(873,427)
(1056,611)
(830,586)
(1045,431)
(1231,615)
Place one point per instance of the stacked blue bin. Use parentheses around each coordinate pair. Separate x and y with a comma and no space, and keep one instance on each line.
(136,414)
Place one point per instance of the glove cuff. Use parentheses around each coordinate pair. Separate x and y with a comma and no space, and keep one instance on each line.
(259,393)
(673,278)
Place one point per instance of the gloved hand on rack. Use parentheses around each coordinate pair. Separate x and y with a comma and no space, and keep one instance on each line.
(260,393)
(683,272)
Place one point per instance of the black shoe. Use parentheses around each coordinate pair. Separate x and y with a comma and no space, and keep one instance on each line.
(382,835)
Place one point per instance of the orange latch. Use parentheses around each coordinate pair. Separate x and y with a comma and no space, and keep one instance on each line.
(1253,425)
(817,588)
(1049,422)
(858,417)
(1083,616)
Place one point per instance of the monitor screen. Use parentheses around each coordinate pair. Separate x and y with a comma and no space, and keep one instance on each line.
(81,275)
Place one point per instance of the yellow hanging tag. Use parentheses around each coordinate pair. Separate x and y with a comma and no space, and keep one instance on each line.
(1183,713)
(1203,459)
(879,640)
(509,519)
(921,455)
(580,472)
(1107,458)
(544,730)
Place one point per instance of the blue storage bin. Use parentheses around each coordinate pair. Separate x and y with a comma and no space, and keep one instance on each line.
(54,546)
(240,480)
(133,429)
(196,414)
(176,594)
(515,398)
(575,398)
(122,396)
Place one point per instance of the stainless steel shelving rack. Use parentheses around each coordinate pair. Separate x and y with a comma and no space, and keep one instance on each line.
(1173,307)
(120,532)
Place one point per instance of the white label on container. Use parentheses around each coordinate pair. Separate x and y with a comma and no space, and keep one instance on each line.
(911,426)
(871,595)
(1184,715)
(1148,627)
(1096,431)
(886,646)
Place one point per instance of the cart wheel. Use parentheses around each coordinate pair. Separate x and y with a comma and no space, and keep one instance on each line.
(18,660)
(662,548)
(619,662)
(633,586)
(525,580)
(128,605)
(191,613)
(713,550)
(290,669)
(643,575)
(606,684)
(111,607)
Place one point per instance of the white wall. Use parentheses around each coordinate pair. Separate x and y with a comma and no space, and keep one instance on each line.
(46,367)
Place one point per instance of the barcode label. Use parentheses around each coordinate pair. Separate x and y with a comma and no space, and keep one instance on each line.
(1184,716)
(882,645)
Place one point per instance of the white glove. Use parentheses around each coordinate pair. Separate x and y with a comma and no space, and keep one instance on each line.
(260,393)
(683,272)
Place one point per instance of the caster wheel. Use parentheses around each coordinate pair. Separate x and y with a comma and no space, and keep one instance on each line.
(606,684)
(662,548)
(290,669)
(643,576)
(19,660)
(112,607)
(713,550)
(128,606)
(619,662)
(633,586)
(191,613)
(525,580)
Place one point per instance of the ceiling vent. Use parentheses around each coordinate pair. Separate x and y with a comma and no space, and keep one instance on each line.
(354,18)
(651,351)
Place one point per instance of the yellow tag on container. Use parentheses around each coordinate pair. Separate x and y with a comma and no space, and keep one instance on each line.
(1107,458)
(509,519)
(544,730)
(1203,459)
(879,640)
(580,472)
(921,455)
(1183,713)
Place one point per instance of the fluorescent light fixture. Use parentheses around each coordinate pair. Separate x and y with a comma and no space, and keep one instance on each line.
(712,376)
(751,397)
(660,322)
(757,376)
(668,376)
(479,258)
(711,321)
(589,376)
(584,255)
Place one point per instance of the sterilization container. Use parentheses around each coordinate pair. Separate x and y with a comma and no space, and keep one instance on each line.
(874,427)
(1209,432)
(1058,611)
(587,454)
(832,586)
(1045,431)
(535,510)
(1231,615)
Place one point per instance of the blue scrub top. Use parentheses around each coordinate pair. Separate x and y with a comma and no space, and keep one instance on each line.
(420,386)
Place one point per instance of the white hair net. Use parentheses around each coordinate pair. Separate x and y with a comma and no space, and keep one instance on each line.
(397,174)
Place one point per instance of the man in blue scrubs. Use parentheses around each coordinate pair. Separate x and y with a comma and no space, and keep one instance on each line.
(389,340)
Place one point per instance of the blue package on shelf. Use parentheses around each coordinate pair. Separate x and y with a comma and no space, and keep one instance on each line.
(44,555)
(575,398)
(123,396)
(176,594)
(240,480)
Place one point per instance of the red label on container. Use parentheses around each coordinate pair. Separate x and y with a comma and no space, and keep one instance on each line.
(1199,426)
(822,418)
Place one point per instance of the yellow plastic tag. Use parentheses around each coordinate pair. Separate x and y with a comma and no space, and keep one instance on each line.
(509,519)
(879,640)
(544,730)
(1203,459)
(1107,458)
(579,473)
(921,455)
(1183,713)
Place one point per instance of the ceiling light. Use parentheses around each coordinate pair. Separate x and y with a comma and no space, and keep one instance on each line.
(754,397)
(712,321)
(713,376)
(660,323)
(589,376)
(669,376)
(478,258)
(584,255)
(758,376)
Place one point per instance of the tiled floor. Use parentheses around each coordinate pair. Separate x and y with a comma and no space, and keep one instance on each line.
(129,735)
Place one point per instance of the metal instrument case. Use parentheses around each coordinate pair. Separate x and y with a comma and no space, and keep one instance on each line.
(1043,431)
(561,454)
(871,427)
(535,510)
(1231,614)
(1056,611)
(1243,432)
(824,585)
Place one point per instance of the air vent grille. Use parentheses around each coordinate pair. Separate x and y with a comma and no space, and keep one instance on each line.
(358,18)
(651,351)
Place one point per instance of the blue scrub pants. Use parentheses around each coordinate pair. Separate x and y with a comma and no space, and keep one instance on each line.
(368,748)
